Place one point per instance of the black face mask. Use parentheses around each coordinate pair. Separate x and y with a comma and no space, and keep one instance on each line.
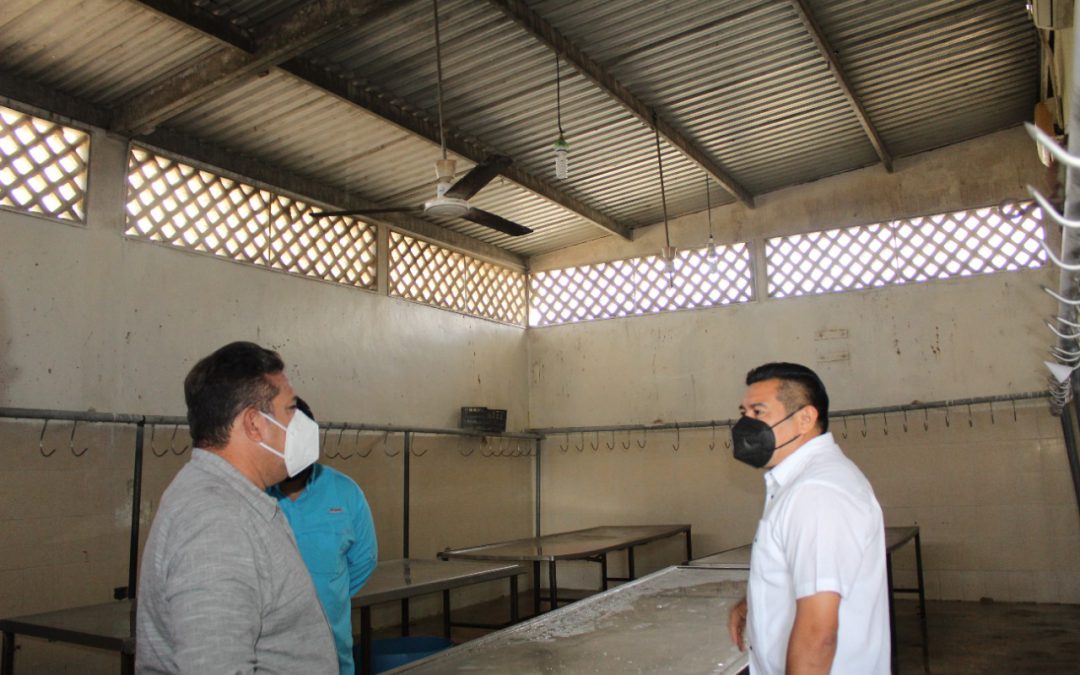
(753,441)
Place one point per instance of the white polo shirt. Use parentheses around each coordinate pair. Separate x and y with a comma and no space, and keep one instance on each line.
(822,530)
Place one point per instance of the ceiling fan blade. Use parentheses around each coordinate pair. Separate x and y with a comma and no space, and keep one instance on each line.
(360,212)
(495,222)
(479,176)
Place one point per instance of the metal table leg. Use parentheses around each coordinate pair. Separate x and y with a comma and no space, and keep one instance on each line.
(514,611)
(603,571)
(689,548)
(630,563)
(7,661)
(922,604)
(446,613)
(553,586)
(892,613)
(536,588)
(405,617)
(367,663)
(127,664)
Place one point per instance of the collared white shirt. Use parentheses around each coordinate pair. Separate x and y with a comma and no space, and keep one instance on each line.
(822,530)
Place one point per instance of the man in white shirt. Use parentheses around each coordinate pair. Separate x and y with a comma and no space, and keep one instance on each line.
(817,600)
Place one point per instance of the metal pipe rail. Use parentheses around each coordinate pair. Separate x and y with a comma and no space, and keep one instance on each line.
(853,412)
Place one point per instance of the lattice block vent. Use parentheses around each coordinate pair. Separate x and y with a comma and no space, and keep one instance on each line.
(438,276)
(192,208)
(643,285)
(833,260)
(969,242)
(43,166)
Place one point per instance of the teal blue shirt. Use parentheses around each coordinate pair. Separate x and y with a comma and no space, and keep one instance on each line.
(336,536)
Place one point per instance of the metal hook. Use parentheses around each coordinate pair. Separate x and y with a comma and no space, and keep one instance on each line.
(845,431)
(905,420)
(926,419)
(71,441)
(356,444)
(565,445)
(947,424)
(462,451)
(1014,409)
(41,441)
(337,448)
(712,439)
(483,442)
(386,447)
(611,445)
(581,437)
(971,420)
(885,423)
(727,439)
(992,413)
(626,445)
(863,432)
(678,439)
(172,442)
(416,453)
(595,443)
(153,432)
(644,438)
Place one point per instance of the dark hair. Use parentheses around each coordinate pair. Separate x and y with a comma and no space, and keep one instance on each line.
(223,385)
(303,407)
(799,386)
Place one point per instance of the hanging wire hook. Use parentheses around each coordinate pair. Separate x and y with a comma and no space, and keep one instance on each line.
(971,420)
(386,447)
(1014,409)
(356,444)
(845,431)
(71,441)
(611,445)
(626,445)
(172,442)
(712,439)
(644,438)
(863,432)
(41,441)
(678,439)
(417,453)
(905,420)
(926,419)
(565,445)
(153,450)
(581,437)
(992,413)
(947,424)
(483,442)
(337,448)
(461,451)
(885,424)
(727,439)
(595,442)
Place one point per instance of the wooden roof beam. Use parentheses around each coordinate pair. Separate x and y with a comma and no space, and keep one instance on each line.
(520,12)
(806,15)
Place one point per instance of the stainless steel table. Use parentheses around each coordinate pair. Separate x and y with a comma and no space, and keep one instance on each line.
(592,544)
(112,625)
(395,580)
(108,626)
(670,621)
(895,537)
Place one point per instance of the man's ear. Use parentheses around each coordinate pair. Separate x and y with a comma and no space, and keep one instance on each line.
(251,423)
(807,418)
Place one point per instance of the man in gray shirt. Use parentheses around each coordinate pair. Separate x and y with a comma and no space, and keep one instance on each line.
(223,588)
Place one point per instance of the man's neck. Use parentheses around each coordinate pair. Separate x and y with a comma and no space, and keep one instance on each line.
(245,463)
(791,448)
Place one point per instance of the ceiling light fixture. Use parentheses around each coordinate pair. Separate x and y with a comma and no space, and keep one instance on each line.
(562,148)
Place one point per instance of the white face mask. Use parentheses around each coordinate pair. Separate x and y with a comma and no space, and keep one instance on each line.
(301,442)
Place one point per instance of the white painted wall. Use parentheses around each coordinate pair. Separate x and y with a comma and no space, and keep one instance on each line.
(90,320)
(940,340)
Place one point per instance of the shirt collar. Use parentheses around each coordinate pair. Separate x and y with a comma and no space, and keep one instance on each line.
(212,463)
(792,465)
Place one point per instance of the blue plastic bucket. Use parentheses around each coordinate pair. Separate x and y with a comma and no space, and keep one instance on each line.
(393,652)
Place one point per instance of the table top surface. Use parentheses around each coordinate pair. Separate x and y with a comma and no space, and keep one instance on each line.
(671,621)
(739,557)
(404,578)
(585,543)
(110,625)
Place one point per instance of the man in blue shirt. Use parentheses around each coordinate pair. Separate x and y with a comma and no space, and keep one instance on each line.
(332,523)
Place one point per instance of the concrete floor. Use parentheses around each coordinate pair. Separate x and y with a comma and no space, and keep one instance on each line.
(965,637)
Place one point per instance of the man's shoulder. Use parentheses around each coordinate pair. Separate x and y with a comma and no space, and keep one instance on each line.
(338,480)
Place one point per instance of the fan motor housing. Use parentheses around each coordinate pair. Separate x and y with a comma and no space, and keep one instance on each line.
(449,207)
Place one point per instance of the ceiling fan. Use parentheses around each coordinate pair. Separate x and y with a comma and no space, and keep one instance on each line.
(451,198)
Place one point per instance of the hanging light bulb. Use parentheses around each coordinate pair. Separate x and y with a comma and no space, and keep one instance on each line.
(562,148)
(668,254)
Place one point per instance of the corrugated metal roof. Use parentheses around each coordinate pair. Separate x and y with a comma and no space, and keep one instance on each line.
(740,79)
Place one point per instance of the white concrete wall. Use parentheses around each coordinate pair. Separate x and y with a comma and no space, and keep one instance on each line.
(939,340)
(90,320)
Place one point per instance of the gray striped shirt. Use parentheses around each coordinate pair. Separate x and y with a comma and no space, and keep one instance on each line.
(223,588)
